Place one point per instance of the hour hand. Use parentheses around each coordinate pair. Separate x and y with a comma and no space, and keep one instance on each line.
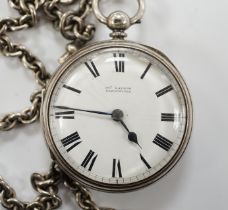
(117,115)
(132,136)
(82,110)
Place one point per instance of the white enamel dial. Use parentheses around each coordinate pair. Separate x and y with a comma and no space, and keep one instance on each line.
(138,144)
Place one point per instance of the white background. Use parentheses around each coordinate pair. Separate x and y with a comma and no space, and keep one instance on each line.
(194,34)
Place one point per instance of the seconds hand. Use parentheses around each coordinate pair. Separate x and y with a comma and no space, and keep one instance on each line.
(82,110)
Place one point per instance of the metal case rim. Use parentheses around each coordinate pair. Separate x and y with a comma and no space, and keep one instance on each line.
(115,187)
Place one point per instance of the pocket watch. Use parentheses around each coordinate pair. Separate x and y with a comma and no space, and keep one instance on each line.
(117,115)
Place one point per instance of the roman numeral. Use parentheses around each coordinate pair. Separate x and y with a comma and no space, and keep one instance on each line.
(163,142)
(89,160)
(145,162)
(119,62)
(167,117)
(92,68)
(116,167)
(73,139)
(164,91)
(147,69)
(72,89)
(64,115)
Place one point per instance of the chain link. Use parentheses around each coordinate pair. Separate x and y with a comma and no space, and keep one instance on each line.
(82,195)
(71,24)
(10,49)
(47,187)
(27,116)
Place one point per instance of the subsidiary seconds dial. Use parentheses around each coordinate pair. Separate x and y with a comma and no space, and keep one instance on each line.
(117,117)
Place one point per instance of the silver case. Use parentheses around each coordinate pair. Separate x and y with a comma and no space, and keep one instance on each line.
(67,169)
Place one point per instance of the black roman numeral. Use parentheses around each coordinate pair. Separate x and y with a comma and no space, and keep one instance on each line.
(72,89)
(74,139)
(65,115)
(92,68)
(116,166)
(147,69)
(164,91)
(167,117)
(89,159)
(145,162)
(163,142)
(119,62)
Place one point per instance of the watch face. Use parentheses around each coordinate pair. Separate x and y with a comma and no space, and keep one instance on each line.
(117,116)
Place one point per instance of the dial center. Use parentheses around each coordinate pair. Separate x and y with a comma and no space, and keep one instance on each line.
(117,115)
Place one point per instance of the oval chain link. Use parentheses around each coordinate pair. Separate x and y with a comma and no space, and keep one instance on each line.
(73,27)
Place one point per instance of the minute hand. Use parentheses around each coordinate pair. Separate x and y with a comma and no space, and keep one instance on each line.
(82,110)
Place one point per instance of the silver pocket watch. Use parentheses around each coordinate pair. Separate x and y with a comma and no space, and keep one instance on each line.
(117,115)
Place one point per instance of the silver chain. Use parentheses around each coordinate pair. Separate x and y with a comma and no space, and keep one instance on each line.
(73,27)
(28,18)
(47,187)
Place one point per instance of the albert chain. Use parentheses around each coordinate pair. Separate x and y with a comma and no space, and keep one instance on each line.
(73,27)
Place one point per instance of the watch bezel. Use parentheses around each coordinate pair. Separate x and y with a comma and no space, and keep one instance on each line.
(66,166)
